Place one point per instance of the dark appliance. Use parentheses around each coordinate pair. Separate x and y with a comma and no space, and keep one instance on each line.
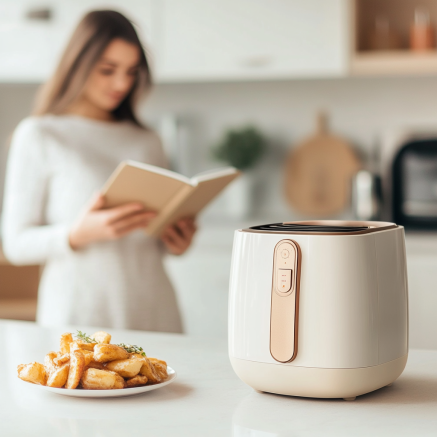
(409,178)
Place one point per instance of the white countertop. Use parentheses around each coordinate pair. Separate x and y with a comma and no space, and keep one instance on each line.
(207,399)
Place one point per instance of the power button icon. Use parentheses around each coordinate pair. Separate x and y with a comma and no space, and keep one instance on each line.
(285,253)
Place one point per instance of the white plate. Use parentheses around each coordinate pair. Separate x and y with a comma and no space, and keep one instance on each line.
(78,393)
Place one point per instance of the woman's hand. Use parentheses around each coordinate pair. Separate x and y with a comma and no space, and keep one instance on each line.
(97,224)
(178,237)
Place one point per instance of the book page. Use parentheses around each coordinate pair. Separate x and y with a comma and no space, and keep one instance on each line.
(213,174)
(150,185)
(197,199)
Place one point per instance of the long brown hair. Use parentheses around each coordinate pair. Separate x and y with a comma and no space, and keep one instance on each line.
(87,44)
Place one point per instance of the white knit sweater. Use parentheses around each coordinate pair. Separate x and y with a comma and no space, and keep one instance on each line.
(55,165)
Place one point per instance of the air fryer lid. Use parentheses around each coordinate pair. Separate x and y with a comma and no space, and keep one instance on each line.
(333,227)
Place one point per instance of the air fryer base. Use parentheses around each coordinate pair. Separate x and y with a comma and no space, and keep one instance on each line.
(314,382)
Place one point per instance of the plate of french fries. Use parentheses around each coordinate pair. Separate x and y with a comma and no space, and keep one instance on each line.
(91,366)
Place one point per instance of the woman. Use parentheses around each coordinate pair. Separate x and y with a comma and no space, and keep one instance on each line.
(100,267)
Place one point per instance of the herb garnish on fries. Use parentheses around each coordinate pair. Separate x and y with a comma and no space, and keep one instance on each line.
(84,337)
(133,349)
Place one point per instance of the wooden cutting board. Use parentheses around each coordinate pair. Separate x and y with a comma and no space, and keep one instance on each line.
(318,173)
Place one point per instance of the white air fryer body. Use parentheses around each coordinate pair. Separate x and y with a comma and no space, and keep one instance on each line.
(349,310)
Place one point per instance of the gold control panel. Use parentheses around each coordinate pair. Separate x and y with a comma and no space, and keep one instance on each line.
(285,301)
(284,280)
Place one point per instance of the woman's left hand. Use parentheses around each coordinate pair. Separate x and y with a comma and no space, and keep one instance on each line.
(178,237)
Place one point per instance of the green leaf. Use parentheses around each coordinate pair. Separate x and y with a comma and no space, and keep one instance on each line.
(241,148)
(132,349)
(84,337)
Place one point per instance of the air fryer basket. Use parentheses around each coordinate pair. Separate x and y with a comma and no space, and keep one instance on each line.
(334,227)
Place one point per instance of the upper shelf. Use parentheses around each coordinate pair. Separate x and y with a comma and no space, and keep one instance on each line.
(384,37)
(390,63)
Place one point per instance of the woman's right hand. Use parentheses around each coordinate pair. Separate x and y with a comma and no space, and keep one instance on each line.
(97,224)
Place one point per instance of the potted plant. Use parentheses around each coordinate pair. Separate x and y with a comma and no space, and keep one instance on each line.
(241,148)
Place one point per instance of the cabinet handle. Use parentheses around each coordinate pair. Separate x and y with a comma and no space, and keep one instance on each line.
(256,61)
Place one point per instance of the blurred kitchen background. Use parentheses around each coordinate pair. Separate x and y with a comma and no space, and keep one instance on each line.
(353,81)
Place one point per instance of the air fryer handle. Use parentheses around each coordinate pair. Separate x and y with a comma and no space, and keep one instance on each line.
(285,301)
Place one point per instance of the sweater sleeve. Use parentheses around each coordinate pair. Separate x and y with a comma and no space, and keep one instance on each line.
(160,158)
(26,238)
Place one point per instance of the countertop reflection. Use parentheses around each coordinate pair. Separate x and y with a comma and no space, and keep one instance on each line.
(207,399)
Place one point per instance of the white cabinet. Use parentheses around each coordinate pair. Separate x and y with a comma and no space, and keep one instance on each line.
(191,40)
(251,39)
(30,49)
(26,47)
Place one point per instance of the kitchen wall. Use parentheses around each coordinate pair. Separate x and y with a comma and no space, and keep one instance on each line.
(15,104)
(360,109)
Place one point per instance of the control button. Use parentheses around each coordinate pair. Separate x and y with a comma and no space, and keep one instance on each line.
(285,253)
(284,280)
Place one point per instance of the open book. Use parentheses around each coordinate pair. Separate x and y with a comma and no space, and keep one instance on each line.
(170,194)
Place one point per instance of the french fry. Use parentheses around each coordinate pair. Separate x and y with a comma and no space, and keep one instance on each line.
(109,352)
(95,379)
(95,365)
(66,340)
(102,337)
(157,360)
(136,381)
(148,369)
(59,376)
(160,368)
(60,360)
(89,356)
(126,368)
(81,345)
(49,362)
(77,367)
(119,381)
(33,372)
